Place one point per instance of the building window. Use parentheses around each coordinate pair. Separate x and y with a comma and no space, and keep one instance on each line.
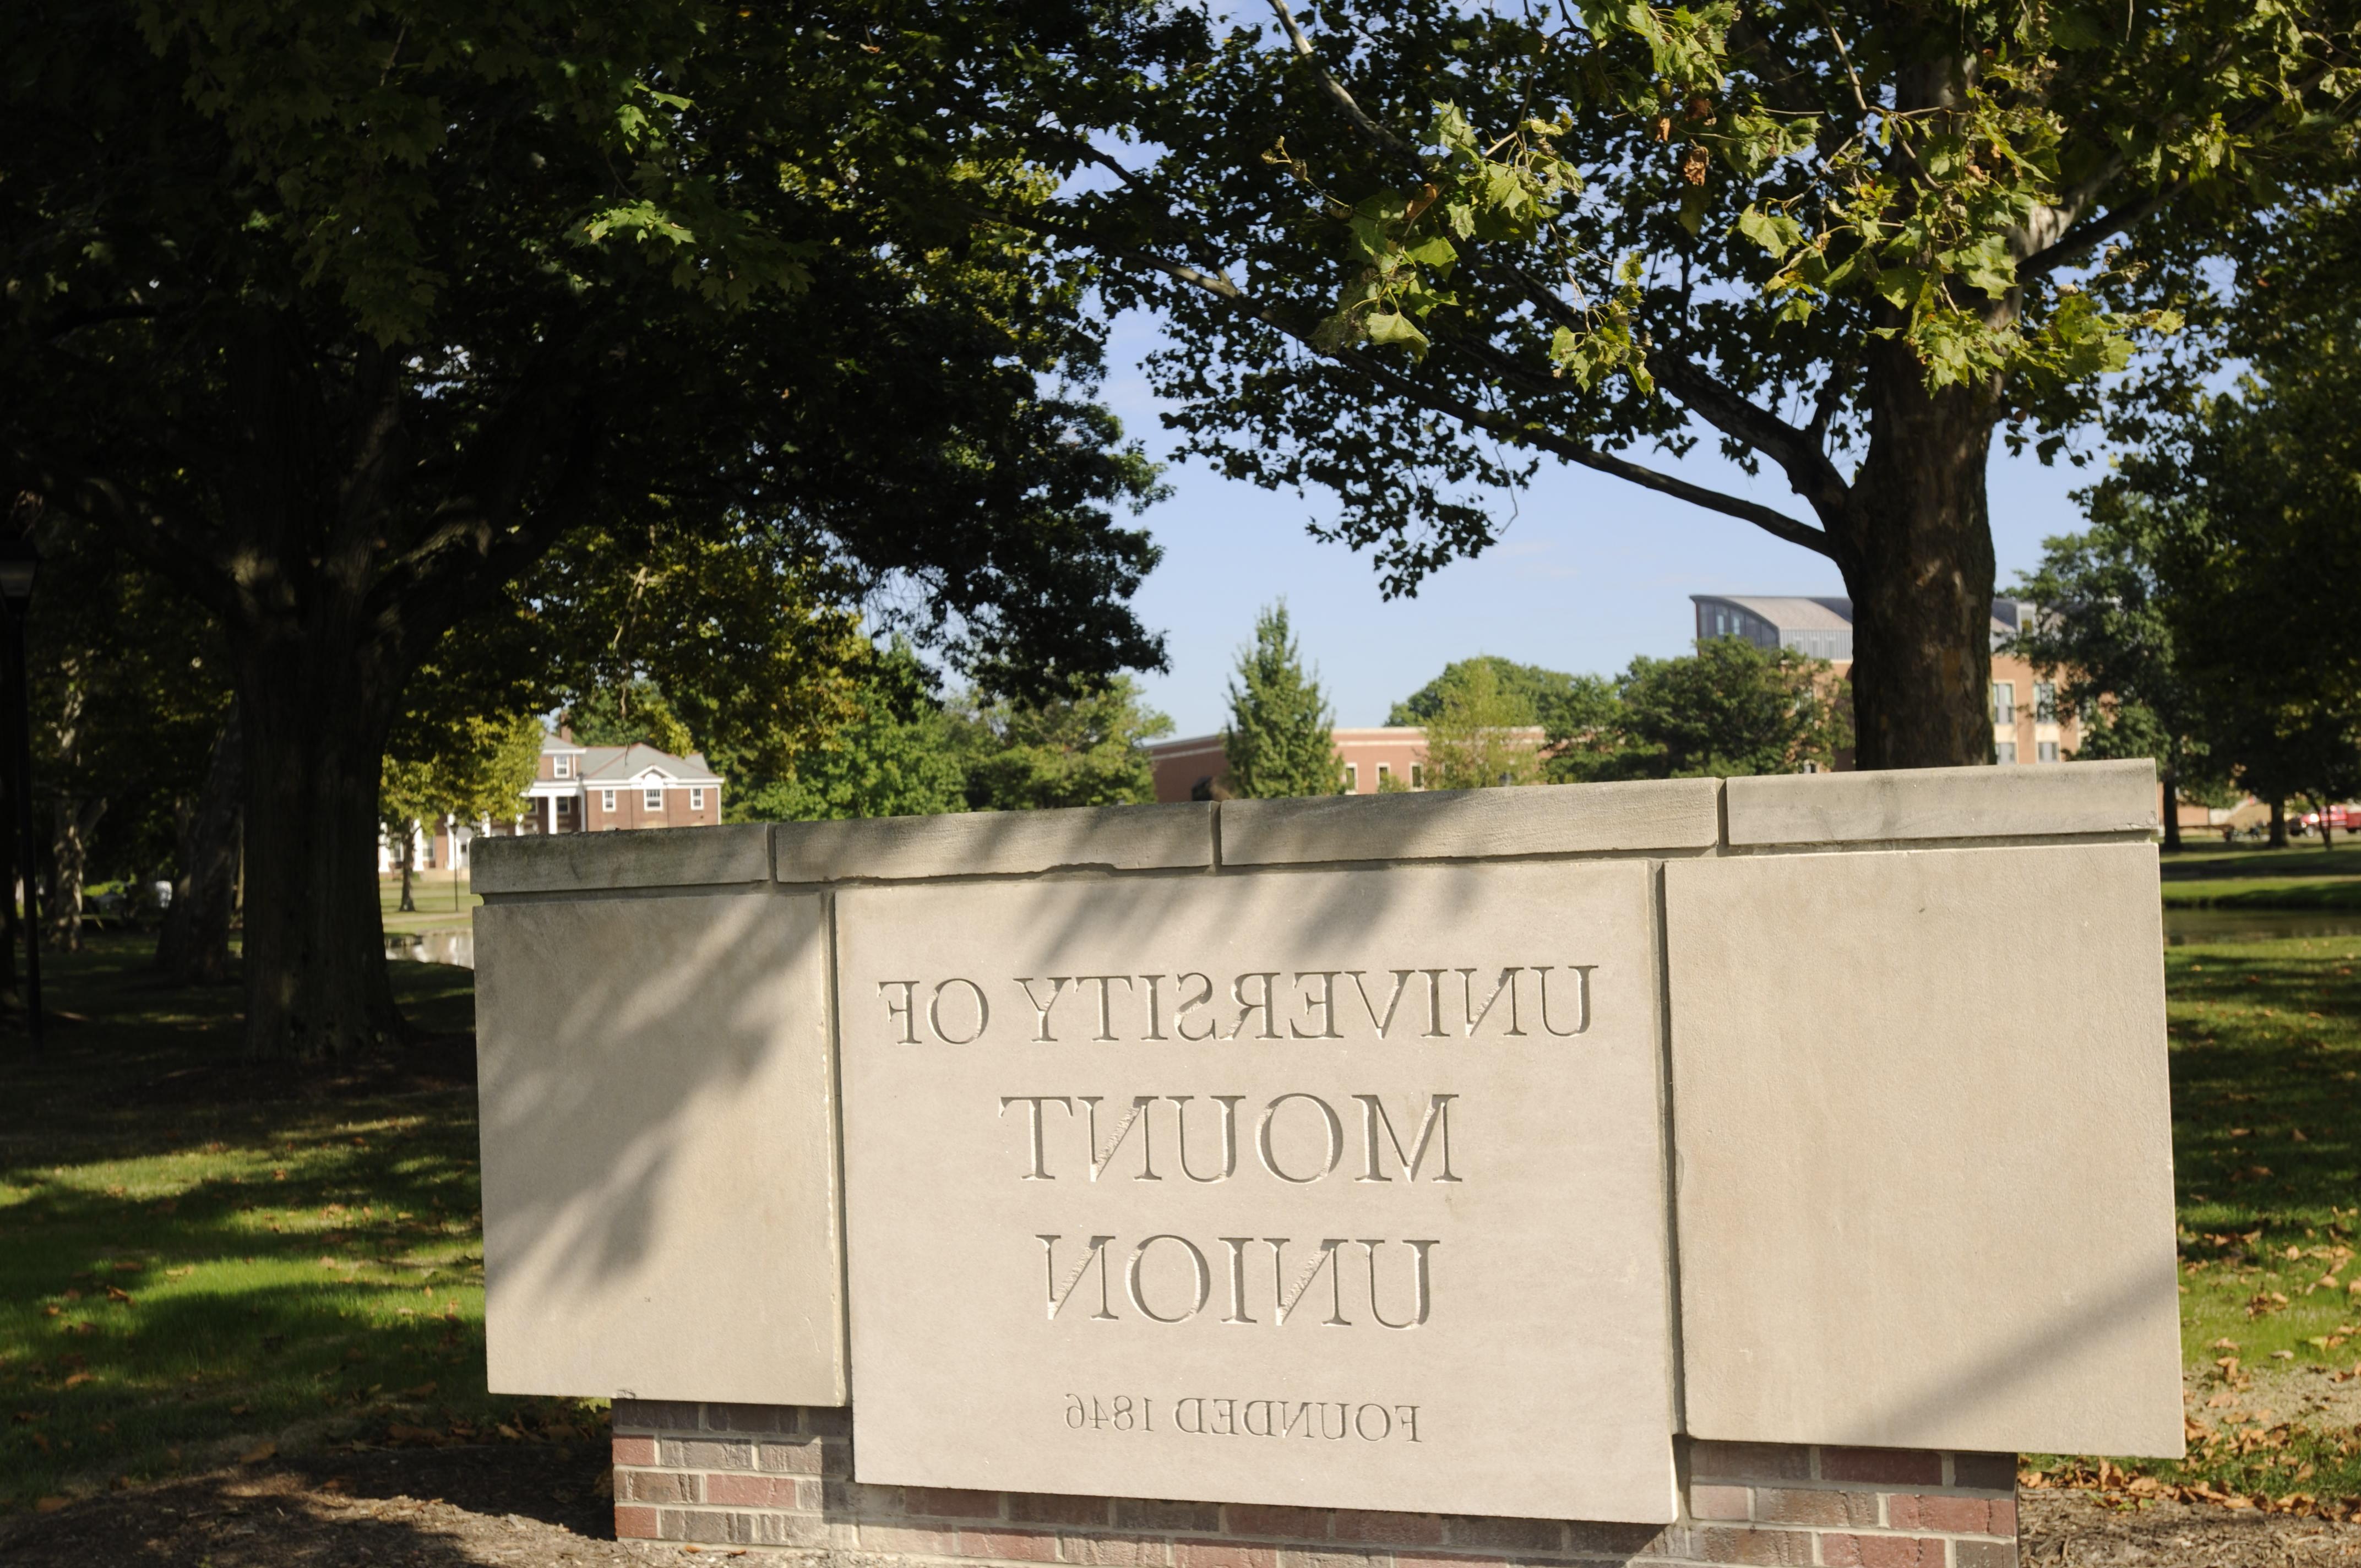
(605,800)
(2005,703)
(562,767)
(565,807)
(2045,702)
(1417,776)
(697,800)
(2005,751)
(1352,778)
(1384,773)
(2044,750)
(653,798)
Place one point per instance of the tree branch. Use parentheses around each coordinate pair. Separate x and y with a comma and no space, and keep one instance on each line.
(1770,520)
(1344,100)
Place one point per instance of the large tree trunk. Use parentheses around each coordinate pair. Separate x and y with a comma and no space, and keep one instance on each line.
(2171,782)
(409,867)
(1919,567)
(192,949)
(2278,840)
(315,712)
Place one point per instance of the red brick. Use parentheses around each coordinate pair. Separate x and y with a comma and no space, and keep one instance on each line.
(659,1486)
(1422,1560)
(1993,1472)
(793,1457)
(950,1503)
(635,1450)
(1892,1466)
(910,1539)
(657,1415)
(1050,1508)
(1958,1516)
(1820,1505)
(1708,1502)
(1119,1550)
(1328,1557)
(1505,1535)
(1750,1461)
(754,1491)
(1771,1546)
(1985,1554)
(1386,1529)
(1262,1518)
(2003,1511)
(1881,1551)
(1630,1540)
(1019,1545)
(634,1523)
(1147,1513)
(1221,1555)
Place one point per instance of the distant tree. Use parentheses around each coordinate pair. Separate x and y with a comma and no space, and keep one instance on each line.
(2106,634)
(1472,737)
(898,756)
(1280,739)
(1086,748)
(1729,709)
(632,713)
(1540,696)
(473,767)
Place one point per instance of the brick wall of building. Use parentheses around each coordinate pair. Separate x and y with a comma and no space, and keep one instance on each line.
(777,1477)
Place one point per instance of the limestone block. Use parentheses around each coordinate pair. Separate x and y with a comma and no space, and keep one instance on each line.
(1944,803)
(648,857)
(659,1147)
(1923,1133)
(1288,1188)
(981,843)
(1549,819)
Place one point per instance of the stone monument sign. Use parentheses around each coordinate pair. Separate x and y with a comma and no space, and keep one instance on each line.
(1343,1185)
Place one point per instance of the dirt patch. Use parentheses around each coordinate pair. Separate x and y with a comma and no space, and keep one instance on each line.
(2072,1529)
(520,1505)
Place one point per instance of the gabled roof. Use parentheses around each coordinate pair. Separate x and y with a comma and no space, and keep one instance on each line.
(1835,612)
(632,766)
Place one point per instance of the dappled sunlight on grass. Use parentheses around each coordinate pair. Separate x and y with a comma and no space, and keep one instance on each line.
(200,1259)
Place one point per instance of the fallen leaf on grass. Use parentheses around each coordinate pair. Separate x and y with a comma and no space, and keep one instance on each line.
(258,1453)
(116,1293)
(421,1391)
(50,1504)
(77,1379)
(402,1431)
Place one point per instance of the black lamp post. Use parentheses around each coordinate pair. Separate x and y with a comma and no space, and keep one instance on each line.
(19,563)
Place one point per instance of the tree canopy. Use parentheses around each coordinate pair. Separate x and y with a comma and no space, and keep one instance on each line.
(1534,694)
(1408,250)
(346,321)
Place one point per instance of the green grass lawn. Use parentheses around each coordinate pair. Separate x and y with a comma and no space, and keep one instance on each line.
(442,901)
(195,1265)
(2265,1058)
(2303,876)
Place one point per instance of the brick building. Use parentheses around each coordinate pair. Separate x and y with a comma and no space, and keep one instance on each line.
(601,789)
(1385,757)
(2027,724)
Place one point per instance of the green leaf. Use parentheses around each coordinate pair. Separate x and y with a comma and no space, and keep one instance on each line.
(1774,232)
(1434,252)
(1986,265)
(1391,327)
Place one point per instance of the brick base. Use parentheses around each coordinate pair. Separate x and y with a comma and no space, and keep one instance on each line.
(779,1477)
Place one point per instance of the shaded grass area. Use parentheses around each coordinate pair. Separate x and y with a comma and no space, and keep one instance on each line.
(202,1260)
(2265,1058)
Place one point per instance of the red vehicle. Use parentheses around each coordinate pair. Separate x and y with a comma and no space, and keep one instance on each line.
(2340,818)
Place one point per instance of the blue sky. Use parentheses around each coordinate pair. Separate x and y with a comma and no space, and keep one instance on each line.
(1591,572)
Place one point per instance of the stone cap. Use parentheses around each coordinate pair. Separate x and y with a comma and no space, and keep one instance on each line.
(1474,824)
(647,857)
(1674,816)
(996,843)
(2016,802)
